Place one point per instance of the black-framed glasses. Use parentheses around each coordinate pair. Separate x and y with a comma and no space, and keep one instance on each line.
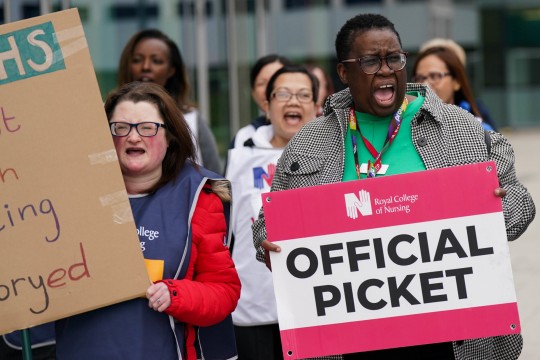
(433,77)
(371,64)
(146,129)
(301,96)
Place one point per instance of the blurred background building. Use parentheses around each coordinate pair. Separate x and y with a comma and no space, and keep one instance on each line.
(221,39)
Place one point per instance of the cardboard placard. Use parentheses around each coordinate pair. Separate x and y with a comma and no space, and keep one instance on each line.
(67,237)
(389,262)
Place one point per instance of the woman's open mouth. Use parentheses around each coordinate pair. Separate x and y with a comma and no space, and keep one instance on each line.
(384,95)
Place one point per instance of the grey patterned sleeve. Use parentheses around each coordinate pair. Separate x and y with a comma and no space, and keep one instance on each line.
(518,207)
(505,347)
(259,234)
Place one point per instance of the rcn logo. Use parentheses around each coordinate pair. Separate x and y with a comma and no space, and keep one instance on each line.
(355,204)
(260,176)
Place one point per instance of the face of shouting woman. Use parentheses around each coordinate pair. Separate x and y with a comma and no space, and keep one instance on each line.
(139,156)
(380,93)
(290,106)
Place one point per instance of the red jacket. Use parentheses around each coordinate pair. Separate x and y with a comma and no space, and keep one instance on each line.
(211,288)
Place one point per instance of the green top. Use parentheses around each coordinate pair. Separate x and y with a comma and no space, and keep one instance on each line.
(401,156)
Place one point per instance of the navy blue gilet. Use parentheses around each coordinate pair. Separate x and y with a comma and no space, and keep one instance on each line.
(131,330)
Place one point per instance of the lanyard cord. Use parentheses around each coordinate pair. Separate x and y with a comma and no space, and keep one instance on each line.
(393,129)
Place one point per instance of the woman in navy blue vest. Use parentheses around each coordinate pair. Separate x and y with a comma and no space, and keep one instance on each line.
(180,212)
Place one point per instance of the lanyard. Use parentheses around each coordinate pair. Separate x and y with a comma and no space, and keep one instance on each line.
(393,128)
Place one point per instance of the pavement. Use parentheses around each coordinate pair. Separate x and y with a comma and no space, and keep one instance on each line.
(525,251)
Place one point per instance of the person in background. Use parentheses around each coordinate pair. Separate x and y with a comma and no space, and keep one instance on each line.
(326,86)
(151,56)
(431,135)
(187,206)
(462,56)
(446,43)
(290,103)
(440,68)
(259,75)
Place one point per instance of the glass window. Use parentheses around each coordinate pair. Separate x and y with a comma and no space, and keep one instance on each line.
(128,12)
(492,33)
(361,2)
(300,4)
(29,11)
(187,9)
(525,25)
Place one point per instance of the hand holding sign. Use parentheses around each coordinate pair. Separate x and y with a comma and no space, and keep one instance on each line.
(269,246)
(500,192)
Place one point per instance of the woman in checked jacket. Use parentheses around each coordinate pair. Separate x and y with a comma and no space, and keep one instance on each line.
(432,135)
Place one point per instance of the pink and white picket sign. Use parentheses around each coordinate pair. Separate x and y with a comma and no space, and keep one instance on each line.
(389,262)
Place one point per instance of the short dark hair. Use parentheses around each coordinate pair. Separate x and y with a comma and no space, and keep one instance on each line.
(177,85)
(293,69)
(262,62)
(358,24)
(178,134)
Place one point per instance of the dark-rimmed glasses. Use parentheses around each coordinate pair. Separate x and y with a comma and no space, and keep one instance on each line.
(301,96)
(146,129)
(371,64)
(433,77)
